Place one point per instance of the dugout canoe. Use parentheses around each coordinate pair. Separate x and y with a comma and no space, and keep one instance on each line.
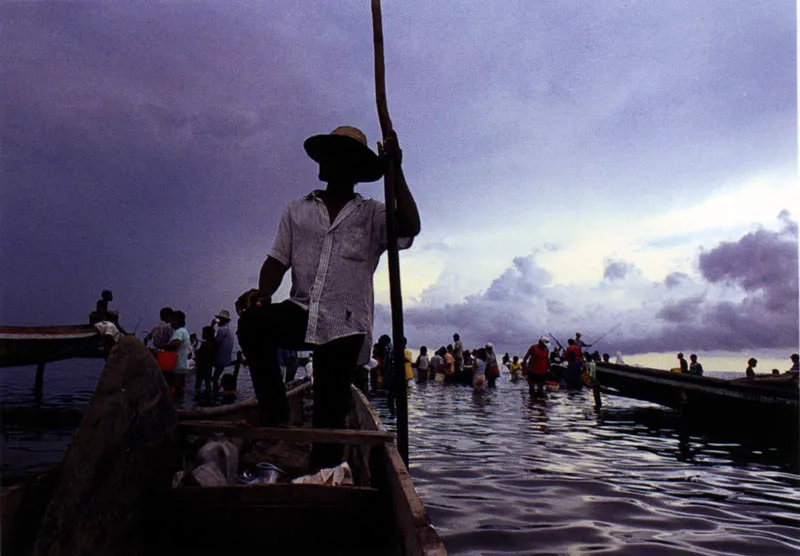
(748,403)
(115,495)
(33,345)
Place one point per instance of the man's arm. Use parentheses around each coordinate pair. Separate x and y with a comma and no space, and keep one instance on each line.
(408,222)
(270,278)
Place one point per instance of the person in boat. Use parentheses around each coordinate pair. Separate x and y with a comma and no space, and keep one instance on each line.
(695,368)
(795,369)
(224,338)
(458,354)
(750,371)
(606,358)
(332,240)
(580,343)
(684,365)
(536,362)
(161,332)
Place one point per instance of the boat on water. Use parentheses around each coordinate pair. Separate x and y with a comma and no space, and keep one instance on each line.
(35,345)
(768,401)
(114,492)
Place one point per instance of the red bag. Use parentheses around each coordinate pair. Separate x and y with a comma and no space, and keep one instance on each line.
(494,371)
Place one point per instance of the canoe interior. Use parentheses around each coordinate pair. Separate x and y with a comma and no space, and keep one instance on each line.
(280,518)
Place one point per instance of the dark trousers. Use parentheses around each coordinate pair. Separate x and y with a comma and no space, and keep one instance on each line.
(262,330)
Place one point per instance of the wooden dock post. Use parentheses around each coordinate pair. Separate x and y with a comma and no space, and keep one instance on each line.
(598,401)
(38,384)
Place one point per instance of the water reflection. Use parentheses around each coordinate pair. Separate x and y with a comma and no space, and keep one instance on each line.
(503,472)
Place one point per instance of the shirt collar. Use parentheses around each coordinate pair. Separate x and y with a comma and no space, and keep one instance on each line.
(315,194)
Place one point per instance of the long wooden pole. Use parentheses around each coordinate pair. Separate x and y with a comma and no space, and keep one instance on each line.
(395,291)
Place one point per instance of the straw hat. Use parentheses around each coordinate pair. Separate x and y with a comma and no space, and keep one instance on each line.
(224,314)
(350,141)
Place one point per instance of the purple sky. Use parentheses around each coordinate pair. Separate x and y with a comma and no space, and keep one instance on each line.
(577,165)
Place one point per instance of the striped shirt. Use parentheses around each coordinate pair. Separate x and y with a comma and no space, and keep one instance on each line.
(332,264)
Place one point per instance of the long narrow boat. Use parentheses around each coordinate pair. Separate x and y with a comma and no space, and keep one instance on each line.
(115,495)
(33,345)
(750,403)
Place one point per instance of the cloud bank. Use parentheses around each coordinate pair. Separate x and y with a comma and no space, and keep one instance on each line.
(745,296)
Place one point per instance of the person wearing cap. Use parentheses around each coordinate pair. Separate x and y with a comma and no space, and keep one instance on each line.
(536,362)
(580,343)
(224,338)
(332,240)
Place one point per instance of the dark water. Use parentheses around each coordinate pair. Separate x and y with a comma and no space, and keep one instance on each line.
(503,473)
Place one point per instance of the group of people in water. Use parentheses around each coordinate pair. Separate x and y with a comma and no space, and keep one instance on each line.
(480,366)
(177,352)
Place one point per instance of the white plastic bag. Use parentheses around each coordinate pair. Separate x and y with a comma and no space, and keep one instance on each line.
(222,453)
(333,476)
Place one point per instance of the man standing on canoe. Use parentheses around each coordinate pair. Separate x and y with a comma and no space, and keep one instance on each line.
(332,240)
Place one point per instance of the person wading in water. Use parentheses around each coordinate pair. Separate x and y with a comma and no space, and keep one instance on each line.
(332,240)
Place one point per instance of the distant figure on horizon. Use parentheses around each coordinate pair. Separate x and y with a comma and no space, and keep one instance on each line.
(580,343)
(750,372)
(795,364)
(606,358)
(695,368)
(618,358)
(683,364)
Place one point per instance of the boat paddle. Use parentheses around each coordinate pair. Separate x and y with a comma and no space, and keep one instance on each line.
(395,293)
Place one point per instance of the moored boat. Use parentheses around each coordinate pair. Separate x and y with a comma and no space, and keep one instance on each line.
(748,403)
(34,345)
(115,492)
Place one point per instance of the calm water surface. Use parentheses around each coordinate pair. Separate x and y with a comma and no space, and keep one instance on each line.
(504,473)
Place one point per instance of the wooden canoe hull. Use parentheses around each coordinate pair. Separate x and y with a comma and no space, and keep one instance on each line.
(114,495)
(704,397)
(32,345)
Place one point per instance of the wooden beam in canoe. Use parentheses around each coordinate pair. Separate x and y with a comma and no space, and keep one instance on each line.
(292,434)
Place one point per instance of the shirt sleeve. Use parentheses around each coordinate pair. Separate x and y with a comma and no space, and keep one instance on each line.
(282,244)
(379,225)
